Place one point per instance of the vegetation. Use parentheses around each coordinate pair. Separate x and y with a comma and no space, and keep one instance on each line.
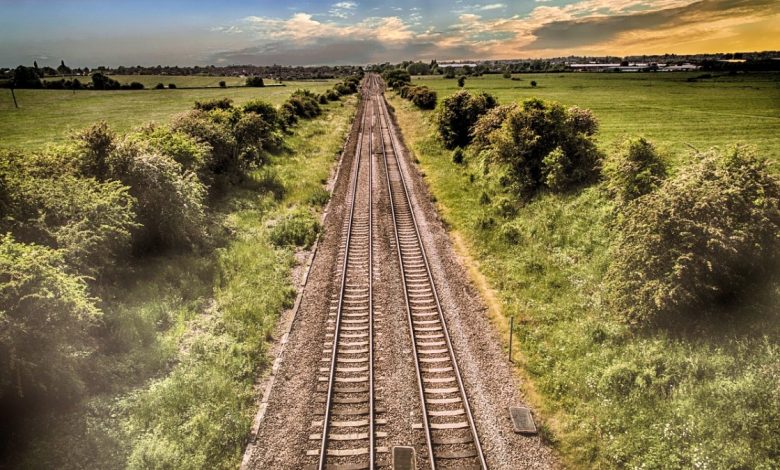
(255,82)
(621,385)
(396,78)
(174,349)
(458,114)
(699,240)
(421,96)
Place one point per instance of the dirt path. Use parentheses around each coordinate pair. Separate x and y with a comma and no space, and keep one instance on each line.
(285,434)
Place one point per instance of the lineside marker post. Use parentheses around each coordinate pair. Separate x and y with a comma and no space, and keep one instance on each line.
(511,333)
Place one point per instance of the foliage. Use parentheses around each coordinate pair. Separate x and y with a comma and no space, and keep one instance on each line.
(216,103)
(489,122)
(255,82)
(418,68)
(192,154)
(461,81)
(299,228)
(633,170)
(45,315)
(103,82)
(26,77)
(421,96)
(540,145)
(396,78)
(458,114)
(265,110)
(701,237)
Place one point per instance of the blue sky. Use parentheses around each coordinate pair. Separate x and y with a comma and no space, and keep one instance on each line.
(87,32)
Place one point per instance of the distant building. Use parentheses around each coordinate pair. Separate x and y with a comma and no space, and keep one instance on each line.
(632,67)
(456,65)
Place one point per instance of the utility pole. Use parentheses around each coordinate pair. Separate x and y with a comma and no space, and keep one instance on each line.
(16,105)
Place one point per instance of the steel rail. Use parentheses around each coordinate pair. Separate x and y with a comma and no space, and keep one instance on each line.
(384,113)
(337,329)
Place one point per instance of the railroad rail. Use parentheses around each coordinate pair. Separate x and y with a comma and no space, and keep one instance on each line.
(450,433)
(348,427)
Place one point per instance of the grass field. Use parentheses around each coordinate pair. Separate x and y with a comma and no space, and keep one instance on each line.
(701,396)
(182,390)
(664,107)
(181,81)
(46,116)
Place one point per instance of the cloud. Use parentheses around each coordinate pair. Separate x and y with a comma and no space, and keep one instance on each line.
(492,6)
(591,27)
(342,10)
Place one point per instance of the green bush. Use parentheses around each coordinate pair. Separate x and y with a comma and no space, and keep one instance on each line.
(45,314)
(265,110)
(489,122)
(255,82)
(457,156)
(423,97)
(299,228)
(700,238)
(170,204)
(458,114)
(200,125)
(540,146)
(216,103)
(635,169)
(192,154)
(332,95)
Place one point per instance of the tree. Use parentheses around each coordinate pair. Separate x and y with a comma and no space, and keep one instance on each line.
(418,68)
(103,82)
(458,114)
(255,82)
(396,78)
(634,170)
(461,81)
(63,69)
(533,83)
(26,77)
(222,84)
(539,145)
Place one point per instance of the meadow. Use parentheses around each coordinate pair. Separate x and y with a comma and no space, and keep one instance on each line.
(702,394)
(46,116)
(664,107)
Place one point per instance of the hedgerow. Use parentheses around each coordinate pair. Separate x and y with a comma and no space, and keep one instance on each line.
(458,114)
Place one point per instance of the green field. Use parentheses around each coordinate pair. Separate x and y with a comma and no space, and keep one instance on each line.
(181,81)
(665,108)
(703,395)
(46,116)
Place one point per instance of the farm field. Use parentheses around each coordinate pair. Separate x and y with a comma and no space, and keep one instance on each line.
(664,107)
(699,395)
(46,116)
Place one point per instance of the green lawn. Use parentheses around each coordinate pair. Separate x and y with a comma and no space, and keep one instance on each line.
(46,116)
(608,396)
(664,107)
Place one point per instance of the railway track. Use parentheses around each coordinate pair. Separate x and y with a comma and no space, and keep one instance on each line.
(347,404)
(450,433)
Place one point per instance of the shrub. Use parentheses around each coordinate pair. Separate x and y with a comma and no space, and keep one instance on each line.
(299,228)
(46,314)
(170,201)
(96,142)
(458,114)
(423,98)
(582,120)
(255,82)
(701,237)
(216,103)
(461,81)
(332,95)
(159,86)
(322,99)
(533,83)
(171,86)
(635,169)
(137,86)
(199,125)
(265,110)
(222,84)
(192,154)
(89,221)
(489,122)
(303,103)
(540,147)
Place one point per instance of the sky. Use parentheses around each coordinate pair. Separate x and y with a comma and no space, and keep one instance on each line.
(296,32)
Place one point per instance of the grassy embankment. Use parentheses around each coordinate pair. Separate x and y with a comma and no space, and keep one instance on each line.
(703,396)
(182,395)
(45,116)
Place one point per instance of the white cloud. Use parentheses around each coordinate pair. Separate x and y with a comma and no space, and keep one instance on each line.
(492,6)
(342,9)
